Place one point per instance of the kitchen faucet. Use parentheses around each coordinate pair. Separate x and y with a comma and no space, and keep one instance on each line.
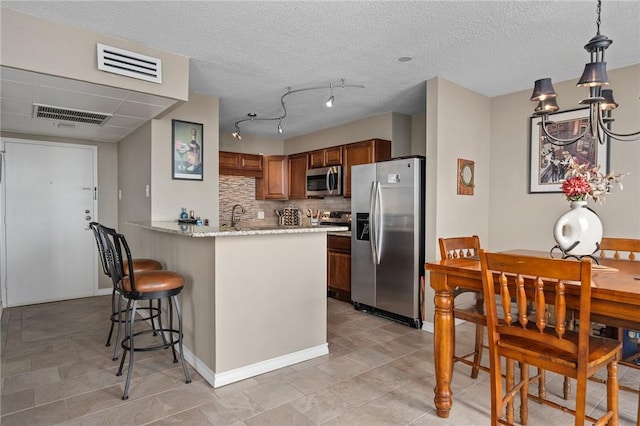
(235,220)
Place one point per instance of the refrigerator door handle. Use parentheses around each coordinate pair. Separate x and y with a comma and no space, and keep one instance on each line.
(372,227)
(378,219)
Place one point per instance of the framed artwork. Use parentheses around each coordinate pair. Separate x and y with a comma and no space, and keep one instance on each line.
(465,177)
(548,162)
(187,147)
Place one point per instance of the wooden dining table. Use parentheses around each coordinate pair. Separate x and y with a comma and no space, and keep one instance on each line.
(615,300)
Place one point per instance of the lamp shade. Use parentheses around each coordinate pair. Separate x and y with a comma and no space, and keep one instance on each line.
(547,106)
(595,74)
(542,90)
(609,103)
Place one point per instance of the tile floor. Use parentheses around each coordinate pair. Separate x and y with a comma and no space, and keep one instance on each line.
(56,370)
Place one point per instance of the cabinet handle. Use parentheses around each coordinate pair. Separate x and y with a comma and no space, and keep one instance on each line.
(242,162)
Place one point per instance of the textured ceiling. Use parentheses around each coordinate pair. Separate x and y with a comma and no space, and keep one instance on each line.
(249,53)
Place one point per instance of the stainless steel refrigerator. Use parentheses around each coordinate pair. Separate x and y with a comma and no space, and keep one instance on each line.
(387,237)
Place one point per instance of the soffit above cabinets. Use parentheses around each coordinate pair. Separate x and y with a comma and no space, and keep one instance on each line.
(20,90)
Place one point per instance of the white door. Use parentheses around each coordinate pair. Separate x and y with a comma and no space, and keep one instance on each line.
(49,200)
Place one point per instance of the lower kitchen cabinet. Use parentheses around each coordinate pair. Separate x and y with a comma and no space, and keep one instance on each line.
(339,267)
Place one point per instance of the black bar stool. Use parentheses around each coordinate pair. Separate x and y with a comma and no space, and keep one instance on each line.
(139,265)
(148,285)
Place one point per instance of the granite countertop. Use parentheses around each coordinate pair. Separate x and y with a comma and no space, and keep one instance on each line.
(172,227)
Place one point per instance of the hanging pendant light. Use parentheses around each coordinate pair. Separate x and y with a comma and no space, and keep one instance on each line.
(600,100)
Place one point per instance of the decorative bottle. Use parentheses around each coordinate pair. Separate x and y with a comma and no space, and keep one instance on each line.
(184,214)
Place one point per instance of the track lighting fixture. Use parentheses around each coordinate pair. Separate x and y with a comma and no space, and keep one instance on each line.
(329,103)
(600,100)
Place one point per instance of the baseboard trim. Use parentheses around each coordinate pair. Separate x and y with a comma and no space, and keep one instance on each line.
(430,327)
(237,374)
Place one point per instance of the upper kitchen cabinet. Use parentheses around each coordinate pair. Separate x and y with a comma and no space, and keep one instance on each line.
(273,185)
(325,157)
(297,176)
(363,152)
(239,164)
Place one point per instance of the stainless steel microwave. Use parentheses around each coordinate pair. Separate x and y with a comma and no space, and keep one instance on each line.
(324,182)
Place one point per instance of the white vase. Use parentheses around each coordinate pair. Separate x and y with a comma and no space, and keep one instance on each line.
(578,232)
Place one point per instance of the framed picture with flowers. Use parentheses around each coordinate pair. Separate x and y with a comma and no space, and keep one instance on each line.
(550,163)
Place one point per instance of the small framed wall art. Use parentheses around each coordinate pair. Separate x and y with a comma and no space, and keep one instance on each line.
(465,177)
(187,149)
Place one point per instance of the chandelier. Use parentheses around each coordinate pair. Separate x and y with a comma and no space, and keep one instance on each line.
(600,100)
(329,103)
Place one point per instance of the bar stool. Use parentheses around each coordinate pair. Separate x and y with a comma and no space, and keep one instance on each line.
(139,265)
(148,285)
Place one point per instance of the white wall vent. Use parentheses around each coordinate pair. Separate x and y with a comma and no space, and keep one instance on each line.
(67,114)
(130,64)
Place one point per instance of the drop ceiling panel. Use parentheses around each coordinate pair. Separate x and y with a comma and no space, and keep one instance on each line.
(16,90)
(136,109)
(75,100)
(14,106)
(19,90)
(125,121)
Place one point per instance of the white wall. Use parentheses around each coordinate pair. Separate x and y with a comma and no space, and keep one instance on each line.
(457,126)
(168,195)
(521,220)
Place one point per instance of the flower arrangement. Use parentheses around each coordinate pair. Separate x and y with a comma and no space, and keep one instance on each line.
(582,183)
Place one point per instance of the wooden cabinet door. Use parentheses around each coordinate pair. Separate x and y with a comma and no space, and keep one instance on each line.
(251,162)
(275,181)
(238,164)
(364,152)
(316,159)
(333,156)
(229,160)
(298,176)
(339,267)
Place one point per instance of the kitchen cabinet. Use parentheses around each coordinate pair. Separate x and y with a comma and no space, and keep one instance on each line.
(274,183)
(325,157)
(298,176)
(240,164)
(339,267)
(364,152)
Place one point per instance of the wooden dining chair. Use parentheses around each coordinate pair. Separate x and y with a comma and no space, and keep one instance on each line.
(621,249)
(532,341)
(455,248)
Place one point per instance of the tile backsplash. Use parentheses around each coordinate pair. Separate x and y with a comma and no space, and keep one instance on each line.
(242,190)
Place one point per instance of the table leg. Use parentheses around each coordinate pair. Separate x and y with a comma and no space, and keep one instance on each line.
(443,343)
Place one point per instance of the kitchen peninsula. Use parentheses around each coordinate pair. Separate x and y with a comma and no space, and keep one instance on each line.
(255,298)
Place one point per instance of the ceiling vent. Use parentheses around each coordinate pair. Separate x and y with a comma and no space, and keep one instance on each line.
(130,64)
(67,114)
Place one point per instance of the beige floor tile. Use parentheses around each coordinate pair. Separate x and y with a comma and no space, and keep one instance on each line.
(284,415)
(377,372)
(30,380)
(44,415)
(17,401)
(272,394)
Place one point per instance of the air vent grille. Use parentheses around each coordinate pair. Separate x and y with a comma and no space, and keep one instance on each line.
(67,114)
(130,64)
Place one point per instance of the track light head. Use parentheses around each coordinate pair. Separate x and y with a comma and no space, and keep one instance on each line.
(280,129)
(329,102)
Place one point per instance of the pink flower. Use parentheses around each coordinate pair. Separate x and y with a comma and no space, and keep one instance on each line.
(582,183)
(575,188)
